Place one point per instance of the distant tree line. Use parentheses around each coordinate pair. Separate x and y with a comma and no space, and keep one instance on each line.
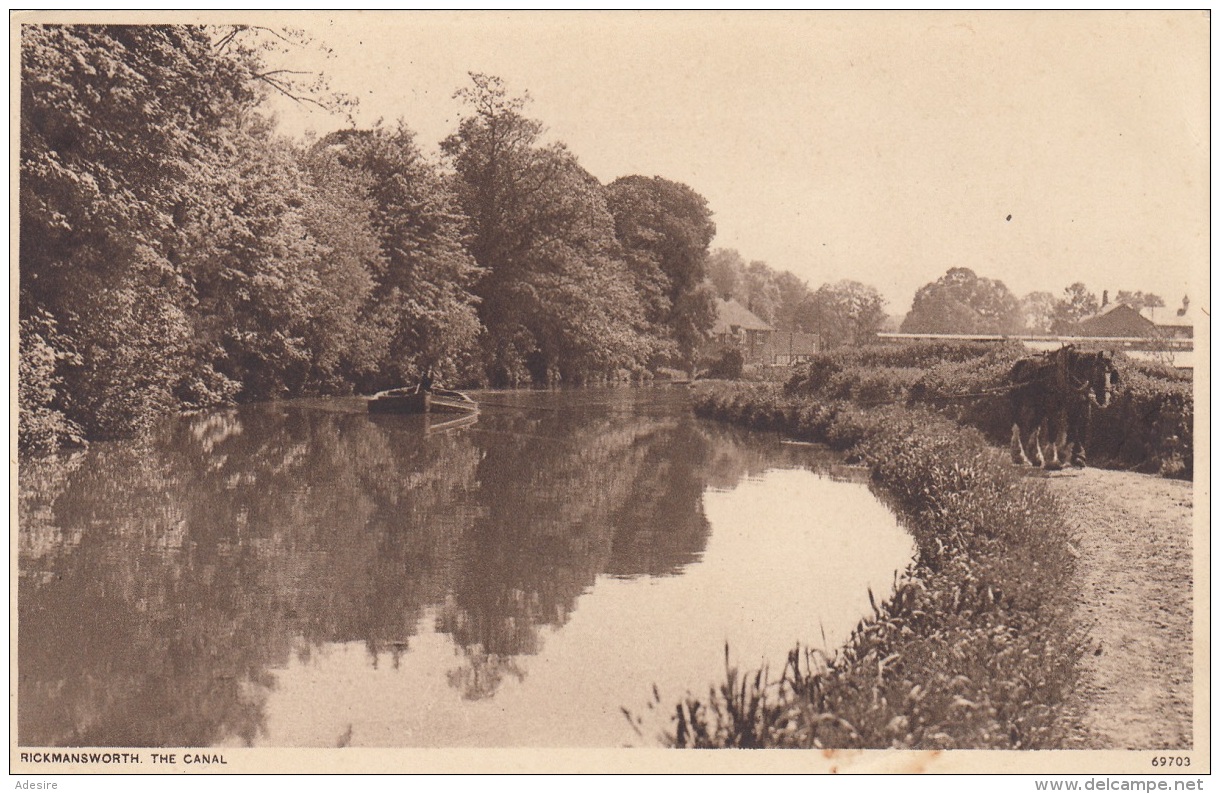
(846,312)
(962,302)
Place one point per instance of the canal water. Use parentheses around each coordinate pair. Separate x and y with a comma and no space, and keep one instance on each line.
(304,574)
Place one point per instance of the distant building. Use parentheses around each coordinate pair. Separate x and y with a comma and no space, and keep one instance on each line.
(1117,319)
(1121,320)
(1173,323)
(1156,334)
(736,326)
(790,347)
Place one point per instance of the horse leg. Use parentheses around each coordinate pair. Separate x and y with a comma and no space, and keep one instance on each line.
(1018,452)
(1079,432)
(1035,446)
(1026,423)
(1058,441)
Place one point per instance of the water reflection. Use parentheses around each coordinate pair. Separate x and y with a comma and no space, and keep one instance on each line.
(171,589)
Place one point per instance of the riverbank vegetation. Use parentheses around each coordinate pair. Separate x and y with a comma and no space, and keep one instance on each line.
(975,649)
(1149,427)
(177,253)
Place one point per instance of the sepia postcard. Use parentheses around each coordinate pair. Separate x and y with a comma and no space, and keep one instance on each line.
(504,391)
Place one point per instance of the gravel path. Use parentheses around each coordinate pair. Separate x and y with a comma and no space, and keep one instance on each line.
(1134,539)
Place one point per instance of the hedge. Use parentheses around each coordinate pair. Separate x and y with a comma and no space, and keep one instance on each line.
(1149,427)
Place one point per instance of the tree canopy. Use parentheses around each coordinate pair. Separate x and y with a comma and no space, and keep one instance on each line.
(580,280)
(176,252)
(1076,304)
(961,302)
(845,313)
(664,229)
(119,127)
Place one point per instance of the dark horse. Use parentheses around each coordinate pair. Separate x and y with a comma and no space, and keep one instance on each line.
(1057,392)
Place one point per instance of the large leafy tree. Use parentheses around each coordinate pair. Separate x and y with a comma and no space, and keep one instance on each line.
(665,228)
(762,291)
(348,332)
(113,119)
(556,298)
(778,297)
(167,249)
(1038,311)
(961,302)
(280,250)
(1139,299)
(1076,304)
(793,292)
(844,313)
(424,276)
(724,269)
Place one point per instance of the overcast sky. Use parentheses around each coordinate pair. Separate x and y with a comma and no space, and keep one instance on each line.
(884,147)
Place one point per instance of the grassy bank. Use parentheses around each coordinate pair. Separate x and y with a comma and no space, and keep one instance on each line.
(975,649)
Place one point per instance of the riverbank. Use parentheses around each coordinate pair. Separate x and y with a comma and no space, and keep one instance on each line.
(976,648)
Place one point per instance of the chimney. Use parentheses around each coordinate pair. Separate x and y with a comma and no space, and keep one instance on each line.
(1105,298)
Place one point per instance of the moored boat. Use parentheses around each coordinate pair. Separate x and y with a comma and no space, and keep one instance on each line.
(413,401)
(451,402)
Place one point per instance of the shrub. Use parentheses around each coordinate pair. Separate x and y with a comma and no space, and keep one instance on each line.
(1157,370)
(41,425)
(813,376)
(728,365)
(972,392)
(1149,426)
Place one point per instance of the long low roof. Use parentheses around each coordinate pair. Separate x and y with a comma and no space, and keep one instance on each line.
(730,314)
(1164,316)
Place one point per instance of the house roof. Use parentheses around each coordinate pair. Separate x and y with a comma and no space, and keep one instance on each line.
(1167,316)
(730,314)
(1117,319)
(1106,310)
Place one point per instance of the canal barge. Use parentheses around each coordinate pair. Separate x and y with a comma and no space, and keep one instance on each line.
(417,401)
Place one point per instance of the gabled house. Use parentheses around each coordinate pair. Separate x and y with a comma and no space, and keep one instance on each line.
(1160,322)
(736,326)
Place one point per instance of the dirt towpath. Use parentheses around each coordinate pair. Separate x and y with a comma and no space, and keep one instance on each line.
(1134,539)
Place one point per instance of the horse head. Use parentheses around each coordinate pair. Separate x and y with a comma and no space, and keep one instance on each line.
(1098,370)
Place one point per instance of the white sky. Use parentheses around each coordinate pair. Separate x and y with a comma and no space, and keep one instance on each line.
(885,147)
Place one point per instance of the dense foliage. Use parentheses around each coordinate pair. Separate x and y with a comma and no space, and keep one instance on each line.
(176,253)
(1148,427)
(961,302)
(974,650)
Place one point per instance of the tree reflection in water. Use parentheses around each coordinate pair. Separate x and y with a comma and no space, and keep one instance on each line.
(481,675)
(162,582)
